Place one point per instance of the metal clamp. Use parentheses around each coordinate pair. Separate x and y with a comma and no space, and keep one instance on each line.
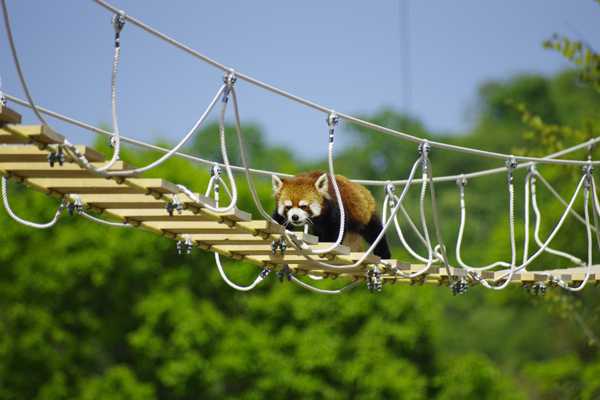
(374,279)
(188,245)
(77,206)
(118,21)
(229,80)
(175,205)
(281,244)
(511,164)
(58,157)
(287,272)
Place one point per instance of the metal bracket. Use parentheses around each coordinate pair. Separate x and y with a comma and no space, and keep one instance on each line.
(77,206)
(58,157)
(188,245)
(287,272)
(281,244)
(175,205)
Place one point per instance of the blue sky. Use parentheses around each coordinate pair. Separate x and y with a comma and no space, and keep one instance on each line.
(344,55)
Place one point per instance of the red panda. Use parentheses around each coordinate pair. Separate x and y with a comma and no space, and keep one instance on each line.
(309,198)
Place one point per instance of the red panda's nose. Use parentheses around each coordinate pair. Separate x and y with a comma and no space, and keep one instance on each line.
(295,217)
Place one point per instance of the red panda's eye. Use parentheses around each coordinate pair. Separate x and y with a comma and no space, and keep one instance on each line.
(288,208)
(303,207)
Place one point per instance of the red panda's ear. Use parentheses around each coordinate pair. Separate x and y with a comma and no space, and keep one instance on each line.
(276,183)
(322,185)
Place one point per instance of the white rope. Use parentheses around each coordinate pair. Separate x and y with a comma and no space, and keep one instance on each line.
(332,121)
(258,279)
(106,223)
(538,223)
(549,240)
(323,291)
(389,201)
(115,141)
(328,110)
(301,246)
(461,229)
(28,223)
(564,203)
(84,163)
(510,164)
(589,184)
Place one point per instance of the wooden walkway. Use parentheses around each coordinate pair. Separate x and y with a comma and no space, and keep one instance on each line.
(142,203)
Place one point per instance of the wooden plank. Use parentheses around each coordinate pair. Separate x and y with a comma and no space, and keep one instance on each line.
(9,116)
(230,238)
(104,186)
(264,248)
(213,227)
(298,259)
(38,132)
(328,273)
(67,170)
(151,214)
(129,200)
(30,153)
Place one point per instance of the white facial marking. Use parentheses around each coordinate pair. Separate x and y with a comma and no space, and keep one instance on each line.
(316,209)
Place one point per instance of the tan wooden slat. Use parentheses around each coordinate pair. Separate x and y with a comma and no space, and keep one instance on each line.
(231,238)
(308,269)
(264,248)
(9,116)
(213,227)
(151,214)
(67,170)
(38,132)
(298,259)
(132,200)
(104,186)
(28,153)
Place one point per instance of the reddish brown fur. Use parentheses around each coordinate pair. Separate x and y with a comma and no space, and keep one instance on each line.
(360,208)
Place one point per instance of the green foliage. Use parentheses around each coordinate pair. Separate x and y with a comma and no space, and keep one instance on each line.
(90,312)
(581,54)
(472,376)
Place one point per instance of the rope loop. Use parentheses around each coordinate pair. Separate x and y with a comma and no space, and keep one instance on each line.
(461,182)
(511,165)
(332,120)
(77,206)
(229,80)
(118,21)
(424,149)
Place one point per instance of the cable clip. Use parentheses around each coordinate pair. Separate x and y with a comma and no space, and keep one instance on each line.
(3,99)
(229,80)
(175,205)
(332,120)
(287,272)
(118,21)
(77,206)
(281,244)
(461,182)
(389,189)
(511,164)
(266,271)
(59,156)
(374,279)
(424,148)
(588,170)
(188,245)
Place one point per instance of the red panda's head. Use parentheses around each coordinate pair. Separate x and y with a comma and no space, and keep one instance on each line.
(300,198)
